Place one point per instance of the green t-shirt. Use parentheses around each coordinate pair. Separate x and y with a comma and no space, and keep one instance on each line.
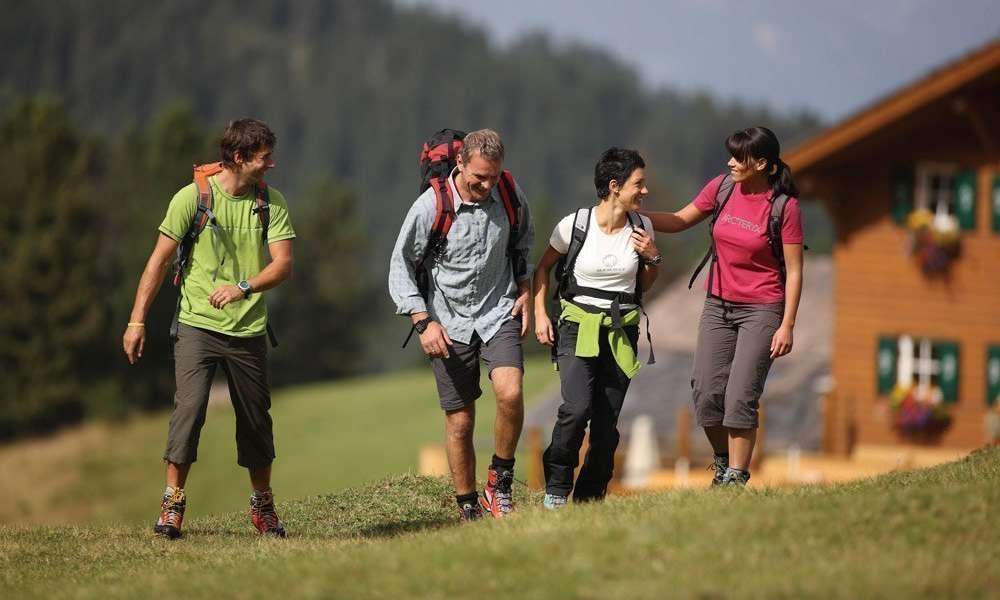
(227,255)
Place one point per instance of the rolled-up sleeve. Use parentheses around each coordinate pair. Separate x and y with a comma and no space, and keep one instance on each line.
(526,235)
(406,254)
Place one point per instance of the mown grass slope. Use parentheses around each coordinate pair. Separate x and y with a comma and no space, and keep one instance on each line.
(926,534)
(329,436)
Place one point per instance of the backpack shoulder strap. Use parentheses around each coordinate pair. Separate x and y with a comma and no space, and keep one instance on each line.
(512,206)
(725,191)
(202,215)
(722,195)
(775,221)
(578,236)
(262,208)
(444,215)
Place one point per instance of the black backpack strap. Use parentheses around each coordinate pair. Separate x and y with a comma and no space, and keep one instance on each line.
(262,208)
(578,235)
(635,220)
(722,196)
(775,221)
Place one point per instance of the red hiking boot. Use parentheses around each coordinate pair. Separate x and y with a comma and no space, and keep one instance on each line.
(498,498)
(263,515)
(171,514)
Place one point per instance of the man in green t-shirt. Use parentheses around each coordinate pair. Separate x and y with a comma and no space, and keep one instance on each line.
(222,317)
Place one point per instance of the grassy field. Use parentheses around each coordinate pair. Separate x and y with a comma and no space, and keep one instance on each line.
(921,534)
(328,437)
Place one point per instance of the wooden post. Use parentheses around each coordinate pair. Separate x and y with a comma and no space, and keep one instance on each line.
(536,474)
(684,432)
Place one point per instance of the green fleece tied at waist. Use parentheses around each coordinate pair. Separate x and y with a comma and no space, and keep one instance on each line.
(587,340)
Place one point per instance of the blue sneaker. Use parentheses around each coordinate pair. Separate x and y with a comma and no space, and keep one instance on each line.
(554,501)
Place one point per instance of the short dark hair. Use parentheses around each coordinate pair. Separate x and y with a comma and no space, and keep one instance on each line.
(246,137)
(615,164)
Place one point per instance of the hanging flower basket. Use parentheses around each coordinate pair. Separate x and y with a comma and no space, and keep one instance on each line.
(916,409)
(934,239)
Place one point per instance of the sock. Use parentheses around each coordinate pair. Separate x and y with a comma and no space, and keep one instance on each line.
(470,498)
(502,464)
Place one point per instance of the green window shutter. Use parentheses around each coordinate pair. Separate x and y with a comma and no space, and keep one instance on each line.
(965,199)
(902,194)
(885,364)
(992,375)
(996,204)
(947,355)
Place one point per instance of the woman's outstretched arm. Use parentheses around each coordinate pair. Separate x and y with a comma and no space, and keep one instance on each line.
(672,222)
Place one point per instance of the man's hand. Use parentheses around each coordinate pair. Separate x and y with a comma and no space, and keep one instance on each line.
(435,341)
(643,244)
(133,342)
(781,343)
(543,330)
(224,295)
(522,306)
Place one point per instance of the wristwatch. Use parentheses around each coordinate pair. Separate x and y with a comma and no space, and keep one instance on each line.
(245,288)
(421,325)
(654,261)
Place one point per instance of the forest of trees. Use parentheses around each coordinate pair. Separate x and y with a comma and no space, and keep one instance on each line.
(105,105)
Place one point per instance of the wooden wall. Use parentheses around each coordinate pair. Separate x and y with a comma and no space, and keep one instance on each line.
(881,291)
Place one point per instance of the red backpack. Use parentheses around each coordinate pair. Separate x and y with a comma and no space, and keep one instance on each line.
(438,158)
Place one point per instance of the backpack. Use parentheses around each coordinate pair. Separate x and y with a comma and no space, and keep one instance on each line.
(203,217)
(567,287)
(774,222)
(438,158)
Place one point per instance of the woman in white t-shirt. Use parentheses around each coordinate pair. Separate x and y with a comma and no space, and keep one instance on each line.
(598,325)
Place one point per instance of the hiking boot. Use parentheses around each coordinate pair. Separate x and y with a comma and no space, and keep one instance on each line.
(555,501)
(498,498)
(469,511)
(735,478)
(720,464)
(263,515)
(171,514)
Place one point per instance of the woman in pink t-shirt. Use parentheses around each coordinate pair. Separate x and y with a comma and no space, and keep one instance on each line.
(753,286)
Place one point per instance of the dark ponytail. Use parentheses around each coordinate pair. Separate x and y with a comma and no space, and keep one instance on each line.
(760,142)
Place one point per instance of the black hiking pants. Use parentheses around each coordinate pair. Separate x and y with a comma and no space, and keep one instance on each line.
(593,390)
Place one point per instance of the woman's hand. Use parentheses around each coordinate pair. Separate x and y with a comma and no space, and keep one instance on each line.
(543,329)
(781,342)
(643,244)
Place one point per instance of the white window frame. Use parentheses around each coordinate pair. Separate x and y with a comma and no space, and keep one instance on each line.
(915,363)
(941,202)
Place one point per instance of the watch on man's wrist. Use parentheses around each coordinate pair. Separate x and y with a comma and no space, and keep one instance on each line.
(421,325)
(245,288)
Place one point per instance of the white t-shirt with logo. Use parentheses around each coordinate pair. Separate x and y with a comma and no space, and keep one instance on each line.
(606,262)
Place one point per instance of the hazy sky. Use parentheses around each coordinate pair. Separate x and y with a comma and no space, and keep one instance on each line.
(833,57)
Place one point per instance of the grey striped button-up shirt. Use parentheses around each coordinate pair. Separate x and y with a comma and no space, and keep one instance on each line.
(472,287)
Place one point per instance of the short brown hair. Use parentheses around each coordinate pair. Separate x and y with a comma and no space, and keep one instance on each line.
(484,141)
(246,137)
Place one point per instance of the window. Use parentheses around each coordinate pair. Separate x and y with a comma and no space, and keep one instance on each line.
(993,375)
(939,188)
(928,366)
(996,204)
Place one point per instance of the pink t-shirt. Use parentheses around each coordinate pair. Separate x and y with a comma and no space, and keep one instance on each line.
(748,271)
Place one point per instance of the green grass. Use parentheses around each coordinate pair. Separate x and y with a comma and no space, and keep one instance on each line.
(328,437)
(927,534)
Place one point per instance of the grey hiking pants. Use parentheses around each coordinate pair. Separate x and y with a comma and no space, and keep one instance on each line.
(732,360)
(197,353)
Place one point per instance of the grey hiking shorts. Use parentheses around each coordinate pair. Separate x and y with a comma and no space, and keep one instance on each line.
(457,376)
(197,353)
(732,361)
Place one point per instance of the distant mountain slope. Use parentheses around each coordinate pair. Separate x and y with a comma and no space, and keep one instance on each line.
(352,88)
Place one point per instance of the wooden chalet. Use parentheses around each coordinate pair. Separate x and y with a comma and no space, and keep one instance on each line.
(912,185)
